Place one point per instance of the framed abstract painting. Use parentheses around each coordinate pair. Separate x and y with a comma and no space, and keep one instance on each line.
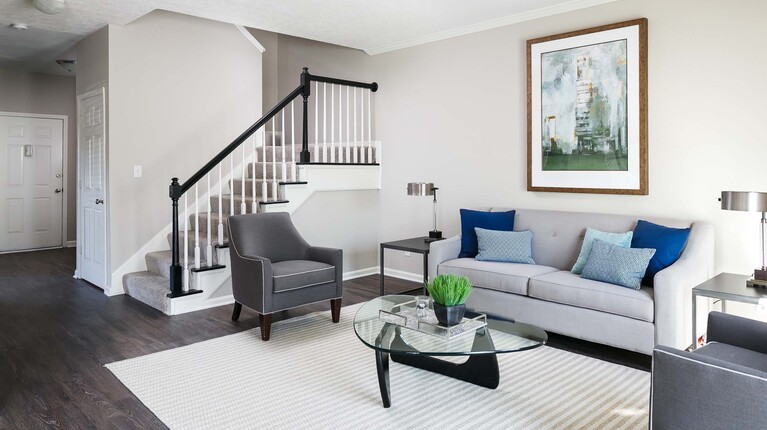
(587,110)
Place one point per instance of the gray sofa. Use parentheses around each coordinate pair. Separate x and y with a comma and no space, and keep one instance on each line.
(722,385)
(548,295)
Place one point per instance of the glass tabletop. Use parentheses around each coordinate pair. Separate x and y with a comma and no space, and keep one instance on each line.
(498,336)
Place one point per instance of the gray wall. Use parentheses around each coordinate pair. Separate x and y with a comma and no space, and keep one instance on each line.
(454,112)
(181,89)
(47,94)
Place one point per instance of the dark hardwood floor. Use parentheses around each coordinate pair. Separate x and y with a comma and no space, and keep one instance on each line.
(57,333)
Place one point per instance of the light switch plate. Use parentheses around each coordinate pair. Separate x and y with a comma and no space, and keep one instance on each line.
(137,173)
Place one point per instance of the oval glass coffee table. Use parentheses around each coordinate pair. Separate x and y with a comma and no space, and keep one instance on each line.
(415,348)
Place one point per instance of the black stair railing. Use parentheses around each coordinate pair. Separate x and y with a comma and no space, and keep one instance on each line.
(177,189)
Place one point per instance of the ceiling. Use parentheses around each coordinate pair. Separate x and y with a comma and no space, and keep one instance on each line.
(372,26)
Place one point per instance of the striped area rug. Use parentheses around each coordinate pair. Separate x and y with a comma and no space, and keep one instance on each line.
(314,374)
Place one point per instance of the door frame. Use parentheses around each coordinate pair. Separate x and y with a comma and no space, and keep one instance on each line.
(107,227)
(64,166)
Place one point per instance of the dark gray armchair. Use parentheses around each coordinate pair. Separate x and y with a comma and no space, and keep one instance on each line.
(273,268)
(722,385)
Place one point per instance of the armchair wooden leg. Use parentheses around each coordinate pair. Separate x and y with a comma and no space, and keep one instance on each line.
(335,309)
(265,321)
(236,312)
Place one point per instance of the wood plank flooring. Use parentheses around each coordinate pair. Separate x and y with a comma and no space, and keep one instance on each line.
(56,334)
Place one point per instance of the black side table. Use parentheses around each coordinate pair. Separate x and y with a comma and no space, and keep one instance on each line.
(724,286)
(418,245)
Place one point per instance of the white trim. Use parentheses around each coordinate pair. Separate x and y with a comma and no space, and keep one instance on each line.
(401,274)
(250,38)
(71,244)
(354,274)
(487,25)
(301,273)
(64,165)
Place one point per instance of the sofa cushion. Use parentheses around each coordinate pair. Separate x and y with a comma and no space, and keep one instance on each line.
(505,246)
(490,220)
(293,274)
(570,289)
(668,244)
(617,265)
(506,277)
(620,239)
(734,354)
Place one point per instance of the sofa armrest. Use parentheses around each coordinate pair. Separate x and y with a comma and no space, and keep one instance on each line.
(443,250)
(691,391)
(252,280)
(674,284)
(737,331)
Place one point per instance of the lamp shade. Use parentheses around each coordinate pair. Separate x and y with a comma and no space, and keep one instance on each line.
(750,201)
(420,189)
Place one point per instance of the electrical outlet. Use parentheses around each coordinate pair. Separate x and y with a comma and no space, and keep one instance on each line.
(761,307)
(137,171)
(407,253)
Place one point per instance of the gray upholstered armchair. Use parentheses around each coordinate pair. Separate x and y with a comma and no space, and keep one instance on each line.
(273,268)
(722,385)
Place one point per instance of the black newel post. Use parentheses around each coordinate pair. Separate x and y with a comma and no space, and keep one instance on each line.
(306,83)
(176,271)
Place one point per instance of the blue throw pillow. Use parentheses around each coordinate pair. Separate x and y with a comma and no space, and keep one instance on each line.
(668,244)
(505,246)
(617,265)
(488,220)
(620,239)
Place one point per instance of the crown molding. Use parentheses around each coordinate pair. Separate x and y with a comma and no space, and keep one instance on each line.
(488,25)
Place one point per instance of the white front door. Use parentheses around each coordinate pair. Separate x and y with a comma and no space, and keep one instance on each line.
(30,182)
(92,219)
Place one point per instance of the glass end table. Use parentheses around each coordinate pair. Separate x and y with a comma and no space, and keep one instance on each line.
(418,349)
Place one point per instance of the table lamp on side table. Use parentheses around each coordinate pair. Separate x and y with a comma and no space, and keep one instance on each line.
(426,189)
(750,201)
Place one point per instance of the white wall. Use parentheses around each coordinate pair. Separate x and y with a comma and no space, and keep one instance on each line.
(47,94)
(181,89)
(454,112)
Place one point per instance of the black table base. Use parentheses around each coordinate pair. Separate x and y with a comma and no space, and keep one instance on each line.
(480,369)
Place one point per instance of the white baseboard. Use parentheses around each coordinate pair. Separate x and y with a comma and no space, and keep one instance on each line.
(401,274)
(71,244)
(354,274)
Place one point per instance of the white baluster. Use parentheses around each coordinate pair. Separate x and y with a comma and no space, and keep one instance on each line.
(324,122)
(293,139)
(282,136)
(253,161)
(348,125)
(196,227)
(363,154)
(220,204)
(332,124)
(231,184)
(243,168)
(356,159)
(340,126)
(274,159)
(209,249)
(316,122)
(370,129)
(186,242)
(263,167)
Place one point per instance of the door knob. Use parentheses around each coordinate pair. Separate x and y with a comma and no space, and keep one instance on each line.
(58,190)
(58,175)
(99,201)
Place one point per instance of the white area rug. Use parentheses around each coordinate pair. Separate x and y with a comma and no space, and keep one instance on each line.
(314,374)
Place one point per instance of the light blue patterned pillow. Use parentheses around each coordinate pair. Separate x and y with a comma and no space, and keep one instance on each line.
(505,246)
(617,265)
(620,239)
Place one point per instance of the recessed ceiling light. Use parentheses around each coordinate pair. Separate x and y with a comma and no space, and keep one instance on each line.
(19,26)
(51,7)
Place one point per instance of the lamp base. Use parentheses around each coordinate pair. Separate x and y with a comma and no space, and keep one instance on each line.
(760,274)
(434,235)
(756,283)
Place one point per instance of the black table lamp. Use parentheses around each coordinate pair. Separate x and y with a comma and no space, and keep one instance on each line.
(750,201)
(426,189)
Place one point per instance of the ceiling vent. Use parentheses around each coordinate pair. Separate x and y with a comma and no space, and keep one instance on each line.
(68,65)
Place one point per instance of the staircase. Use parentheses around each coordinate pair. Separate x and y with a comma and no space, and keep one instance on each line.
(259,178)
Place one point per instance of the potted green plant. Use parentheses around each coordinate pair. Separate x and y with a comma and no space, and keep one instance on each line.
(449,293)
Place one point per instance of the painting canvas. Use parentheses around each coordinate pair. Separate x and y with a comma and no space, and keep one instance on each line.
(587,103)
